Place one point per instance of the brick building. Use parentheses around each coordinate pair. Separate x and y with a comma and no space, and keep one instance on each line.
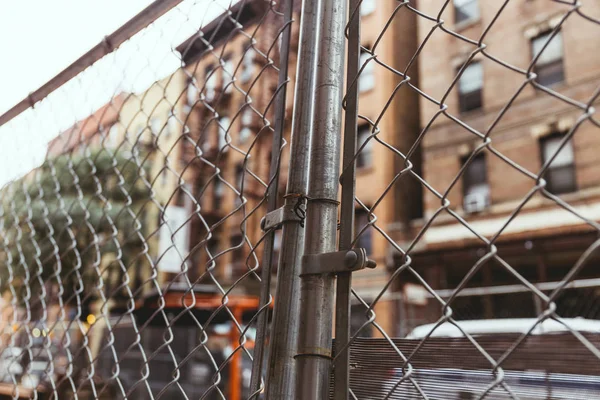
(230,75)
(545,240)
(97,130)
(221,66)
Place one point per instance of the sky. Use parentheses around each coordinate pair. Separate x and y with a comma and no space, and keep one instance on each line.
(38,45)
(39,38)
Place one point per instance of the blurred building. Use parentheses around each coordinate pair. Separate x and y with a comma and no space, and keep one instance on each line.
(151,123)
(230,75)
(546,239)
(97,130)
(231,80)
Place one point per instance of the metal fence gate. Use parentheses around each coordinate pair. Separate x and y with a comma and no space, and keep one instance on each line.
(314,199)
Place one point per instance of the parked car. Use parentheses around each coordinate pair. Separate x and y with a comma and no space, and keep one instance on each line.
(551,363)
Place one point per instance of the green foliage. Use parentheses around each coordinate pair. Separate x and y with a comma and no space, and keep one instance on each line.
(66,218)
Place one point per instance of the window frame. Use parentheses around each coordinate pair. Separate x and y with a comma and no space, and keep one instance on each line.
(240,176)
(465,98)
(228,75)
(222,129)
(191,92)
(468,187)
(211,82)
(364,158)
(218,192)
(113,136)
(371,6)
(549,64)
(468,18)
(571,167)
(238,253)
(367,72)
(247,65)
(366,238)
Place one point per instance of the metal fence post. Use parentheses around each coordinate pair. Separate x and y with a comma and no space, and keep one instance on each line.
(281,370)
(348,182)
(316,291)
(272,197)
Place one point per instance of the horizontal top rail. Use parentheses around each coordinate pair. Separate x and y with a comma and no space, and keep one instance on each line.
(109,44)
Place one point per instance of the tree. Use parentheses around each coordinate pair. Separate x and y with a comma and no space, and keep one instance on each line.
(61,224)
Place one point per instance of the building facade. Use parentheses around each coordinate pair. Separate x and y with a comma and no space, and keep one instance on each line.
(545,240)
(231,82)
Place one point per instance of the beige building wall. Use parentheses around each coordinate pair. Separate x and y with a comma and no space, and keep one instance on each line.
(152,121)
(394,107)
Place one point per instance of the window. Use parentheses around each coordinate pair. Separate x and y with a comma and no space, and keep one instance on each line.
(192,93)
(469,87)
(247,119)
(172,125)
(366,80)
(210,75)
(213,246)
(247,66)
(155,126)
(549,67)
(367,7)
(358,317)
(239,180)
(361,219)
(365,156)
(182,197)
(218,192)
(560,176)
(237,244)
(239,176)
(245,134)
(466,10)
(229,70)
(224,123)
(476,189)
(113,136)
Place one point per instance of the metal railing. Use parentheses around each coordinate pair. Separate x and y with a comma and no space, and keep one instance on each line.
(149,249)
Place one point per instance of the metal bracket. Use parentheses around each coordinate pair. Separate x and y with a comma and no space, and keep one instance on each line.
(336,262)
(276,218)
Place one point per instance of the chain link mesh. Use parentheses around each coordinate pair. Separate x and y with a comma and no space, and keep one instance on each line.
(130,214)
(489,82)
(131,256)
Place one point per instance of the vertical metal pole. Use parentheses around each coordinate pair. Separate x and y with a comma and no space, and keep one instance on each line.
(281,370)
(235,366)
(316,291)
(272,193)
(341,374)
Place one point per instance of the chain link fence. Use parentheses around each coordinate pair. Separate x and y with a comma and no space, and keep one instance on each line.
(161,239)
(481,120)
(132,253)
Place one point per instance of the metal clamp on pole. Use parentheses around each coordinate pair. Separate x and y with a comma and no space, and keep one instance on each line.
(336,262)
(276,218)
